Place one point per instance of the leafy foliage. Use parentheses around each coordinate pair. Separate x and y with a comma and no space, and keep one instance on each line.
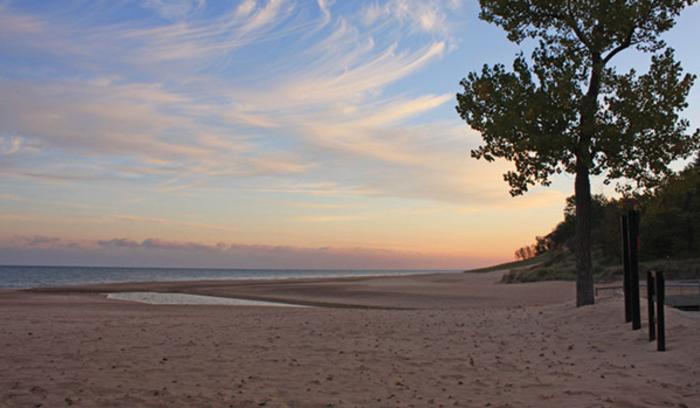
(536,116)
(671,220)
(669,227)
(564,109)
(640,128)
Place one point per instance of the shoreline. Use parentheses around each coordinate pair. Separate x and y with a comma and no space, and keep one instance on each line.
(419,291)
(274,275)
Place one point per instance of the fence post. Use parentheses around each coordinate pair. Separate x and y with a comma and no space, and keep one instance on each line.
(661,321)
(626,267)
(650,305)
(633,229)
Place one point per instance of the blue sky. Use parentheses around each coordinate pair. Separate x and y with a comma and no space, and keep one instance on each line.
(194,132)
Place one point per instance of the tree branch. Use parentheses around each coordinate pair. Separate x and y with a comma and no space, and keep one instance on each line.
(571,22)
(628,40)
(624,45)
(568,20)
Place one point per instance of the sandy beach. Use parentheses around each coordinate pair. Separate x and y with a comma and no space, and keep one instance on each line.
(416,341)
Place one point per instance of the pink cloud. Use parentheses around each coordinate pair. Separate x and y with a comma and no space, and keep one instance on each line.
(158,252)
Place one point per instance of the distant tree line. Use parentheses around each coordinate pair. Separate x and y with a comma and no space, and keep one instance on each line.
(669,227)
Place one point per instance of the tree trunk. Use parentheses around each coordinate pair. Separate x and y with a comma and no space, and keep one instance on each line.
(584,275)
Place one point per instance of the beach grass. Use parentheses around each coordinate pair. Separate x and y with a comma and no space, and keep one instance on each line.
(561,266)
(512,265)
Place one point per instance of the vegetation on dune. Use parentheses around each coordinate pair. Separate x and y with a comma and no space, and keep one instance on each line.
(669,234)
(521,263)
(561,266)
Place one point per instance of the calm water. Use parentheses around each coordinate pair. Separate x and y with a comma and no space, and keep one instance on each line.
(16,277)
(157,298)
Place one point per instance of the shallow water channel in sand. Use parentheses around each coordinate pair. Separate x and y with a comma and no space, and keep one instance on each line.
(155,298)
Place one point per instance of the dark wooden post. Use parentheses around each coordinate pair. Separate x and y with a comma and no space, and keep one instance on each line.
(661,321)
(633,229)
(626,267)
(650,305)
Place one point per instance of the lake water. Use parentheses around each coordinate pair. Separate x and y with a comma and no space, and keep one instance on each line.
(155,298)
(20,277)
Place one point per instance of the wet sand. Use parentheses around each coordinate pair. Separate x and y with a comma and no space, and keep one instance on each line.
(421,341)
(433,291)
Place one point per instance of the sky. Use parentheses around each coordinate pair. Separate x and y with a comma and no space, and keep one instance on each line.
(260,134)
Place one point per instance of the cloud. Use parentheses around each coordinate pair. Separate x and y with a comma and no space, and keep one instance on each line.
(174,9)
(136,219)
(10,145)
(41,241)
(317,189)
(246,8)
(198,39)
(12,22)
(9,197)
(398,110)
(328,218)
(119,243)
(418,15)
(323,115)
(156,252)
(331,82)
(154,243)
(245,117)
(264,16)
(156,129)
(325,8)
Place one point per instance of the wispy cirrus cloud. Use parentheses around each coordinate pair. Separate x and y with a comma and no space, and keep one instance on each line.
(174,9)
(157,130)
(421,16)
(18,23)
(11,145)
(355,80)
(205,37)
(329,95)
(282,96)
(328,218)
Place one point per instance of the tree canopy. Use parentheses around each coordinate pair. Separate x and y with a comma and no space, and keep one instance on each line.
(533,114)
(566,109)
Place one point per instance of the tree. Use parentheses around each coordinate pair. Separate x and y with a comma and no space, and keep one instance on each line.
(671,222)
(603,217)
(565,109)
(525,252)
